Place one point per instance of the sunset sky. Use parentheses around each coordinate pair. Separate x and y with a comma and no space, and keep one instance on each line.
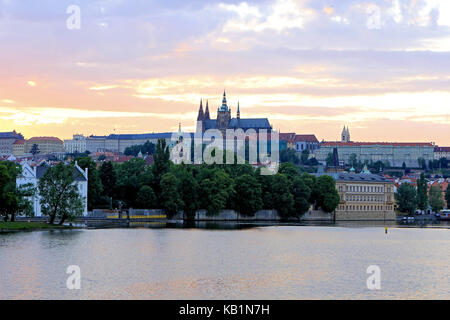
(138,66)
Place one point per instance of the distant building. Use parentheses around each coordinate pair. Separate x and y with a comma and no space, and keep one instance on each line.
(300,142)
(441,152)
(33,174)
(75,145)
(119,142)
(46,145)
(19,148)
(396,153)
(364,196)
(7,140)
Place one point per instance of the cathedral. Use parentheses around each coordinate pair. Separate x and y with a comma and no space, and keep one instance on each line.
(224,120)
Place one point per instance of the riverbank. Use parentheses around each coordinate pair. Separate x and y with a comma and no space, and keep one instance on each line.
(28,226)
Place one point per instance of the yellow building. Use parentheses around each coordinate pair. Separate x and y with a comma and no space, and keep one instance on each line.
(19,148)
(364,196)
(46,145)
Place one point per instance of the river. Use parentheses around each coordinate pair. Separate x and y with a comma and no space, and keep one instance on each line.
(270,262)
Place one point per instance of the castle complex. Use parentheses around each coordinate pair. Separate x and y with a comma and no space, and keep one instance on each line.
(224,120)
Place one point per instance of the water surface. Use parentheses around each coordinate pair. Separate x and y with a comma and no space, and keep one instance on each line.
(278,262)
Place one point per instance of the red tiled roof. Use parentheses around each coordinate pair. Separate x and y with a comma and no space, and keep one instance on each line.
(393,144)
(290,137)
(19,142)
(306,137)
(45,139)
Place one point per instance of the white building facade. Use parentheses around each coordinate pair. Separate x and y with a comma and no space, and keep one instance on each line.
(76,145)
(31,175)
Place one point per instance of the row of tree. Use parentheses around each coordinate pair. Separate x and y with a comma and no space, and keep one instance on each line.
(409,198)
(212,187)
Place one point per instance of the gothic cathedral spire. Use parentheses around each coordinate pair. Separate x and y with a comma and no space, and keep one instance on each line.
(201,116)
(207,111)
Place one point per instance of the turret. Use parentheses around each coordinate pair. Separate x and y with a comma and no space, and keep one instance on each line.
(207,111)
(238,112)
(201,116)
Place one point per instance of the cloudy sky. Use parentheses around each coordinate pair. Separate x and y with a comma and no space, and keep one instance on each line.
(134,66)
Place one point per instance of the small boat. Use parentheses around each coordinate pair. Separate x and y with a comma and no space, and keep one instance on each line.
(445,215)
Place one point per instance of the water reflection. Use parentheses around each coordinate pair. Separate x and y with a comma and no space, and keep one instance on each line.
(227,261)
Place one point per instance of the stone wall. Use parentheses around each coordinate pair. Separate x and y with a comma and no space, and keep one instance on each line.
(365,215)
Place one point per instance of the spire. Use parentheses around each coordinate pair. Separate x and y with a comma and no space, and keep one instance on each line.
(207,111)
(238,112)
(224,102)
(201,116)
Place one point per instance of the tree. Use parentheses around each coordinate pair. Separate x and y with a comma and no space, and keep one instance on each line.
(170,195)
(189,189)
(146,148)
(146,198)
(288,155)
(131,176)
(404,166)
(305,156)
(327,196)
(247,195)
(353,160)
(443,163)
(4,180)
(436,198)
(329,159)
(283,200)
(422,193)
(95,187)
(447,197)
(161,164)
(34,149)
(59,194)
(406,198)
(108,178)
(302,194)
(216,189)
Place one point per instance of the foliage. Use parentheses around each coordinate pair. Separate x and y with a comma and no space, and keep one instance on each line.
(406,198)
(436,198)
(289,155)
(170,195)
(422,193)
(95,186)
(146,198)
(447,197)
(59,194)
(247,195)
(326,194)
(146,148)
(34,149)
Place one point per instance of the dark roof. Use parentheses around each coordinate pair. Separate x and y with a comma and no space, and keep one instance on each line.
(356,177)
(441,149)
(149,136)
(391,144)
(257,123)
(40,171)
(11,135)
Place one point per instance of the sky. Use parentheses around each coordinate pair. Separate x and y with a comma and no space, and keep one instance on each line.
(140,66)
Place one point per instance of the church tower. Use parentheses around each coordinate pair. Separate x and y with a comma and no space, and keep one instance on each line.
(345,135)
(223,115)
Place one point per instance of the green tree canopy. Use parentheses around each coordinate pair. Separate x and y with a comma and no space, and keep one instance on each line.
(95,187)
(248,198)
(422,193)
(170,194)
(146,198)
(436,198)
(406,198)
(327,196)
(59,194)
